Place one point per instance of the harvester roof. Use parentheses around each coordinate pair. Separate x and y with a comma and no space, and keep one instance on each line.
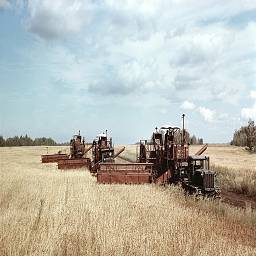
(195,157)
(101,135)
(168,126)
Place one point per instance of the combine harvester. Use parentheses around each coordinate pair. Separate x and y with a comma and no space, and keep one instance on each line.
(103,151)
(77,157)
(164,160)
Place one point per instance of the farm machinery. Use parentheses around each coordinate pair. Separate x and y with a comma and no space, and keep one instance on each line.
(164,159)
(75,159)
(103,151)
(77,154)
(53,158)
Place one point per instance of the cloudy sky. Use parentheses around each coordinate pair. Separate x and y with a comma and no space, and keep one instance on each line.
(126,66)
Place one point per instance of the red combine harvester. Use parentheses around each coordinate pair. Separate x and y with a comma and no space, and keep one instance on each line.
(110,172)
(77,155)
(103,151)
(164,160)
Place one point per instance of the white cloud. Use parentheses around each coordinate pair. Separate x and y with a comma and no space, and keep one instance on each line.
(187,105)
(4,4)
(208,114)
(56,19)
(163,111)
(253,94)
(133,49)
(249,113)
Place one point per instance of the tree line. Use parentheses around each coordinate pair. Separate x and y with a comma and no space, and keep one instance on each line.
(246,136)
(192,140)
(26,141)
(196,141)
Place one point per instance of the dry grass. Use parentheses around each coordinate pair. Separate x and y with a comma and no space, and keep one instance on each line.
(242,181)
(44,211)
(236,167)
(236,158)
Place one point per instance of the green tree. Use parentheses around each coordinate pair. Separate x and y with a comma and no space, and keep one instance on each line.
(246,136)
(2,141)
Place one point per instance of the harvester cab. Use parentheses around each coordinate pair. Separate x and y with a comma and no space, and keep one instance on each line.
(103,150)
(77,154)
(77,146)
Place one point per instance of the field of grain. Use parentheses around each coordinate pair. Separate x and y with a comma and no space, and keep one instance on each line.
(235,166)
(44,211)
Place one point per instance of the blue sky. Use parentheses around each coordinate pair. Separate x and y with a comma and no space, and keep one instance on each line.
(126,66)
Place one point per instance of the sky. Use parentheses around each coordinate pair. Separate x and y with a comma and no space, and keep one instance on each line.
(126,66)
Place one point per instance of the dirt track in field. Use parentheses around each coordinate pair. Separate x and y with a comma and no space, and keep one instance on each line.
(238,200)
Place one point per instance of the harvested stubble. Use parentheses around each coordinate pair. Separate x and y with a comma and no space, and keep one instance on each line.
(44,211)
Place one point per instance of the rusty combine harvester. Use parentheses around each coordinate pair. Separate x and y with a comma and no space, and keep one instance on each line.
(164,159)
(103,151)
(110,172)
(77,155)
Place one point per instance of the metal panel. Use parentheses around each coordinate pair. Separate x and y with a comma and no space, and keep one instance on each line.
(209,181)
(129,173)
(123,178)
(74,163)
(164,178)
(53,158)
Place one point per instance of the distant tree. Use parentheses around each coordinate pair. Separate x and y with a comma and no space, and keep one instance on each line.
(26,141)
(246,136)
(193,140)
(250,131)
(2,141)
(200,141)
(44,141)
(196,141)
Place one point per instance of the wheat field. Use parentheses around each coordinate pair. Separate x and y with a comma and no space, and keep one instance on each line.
(44,211)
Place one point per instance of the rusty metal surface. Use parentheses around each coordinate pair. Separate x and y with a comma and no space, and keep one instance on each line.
(54,158)
(74,163)
(164,178)
(124,178)
(77,146)
(103,150)
(128,173)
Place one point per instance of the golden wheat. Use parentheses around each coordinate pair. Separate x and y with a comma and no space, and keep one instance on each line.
(44,211)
